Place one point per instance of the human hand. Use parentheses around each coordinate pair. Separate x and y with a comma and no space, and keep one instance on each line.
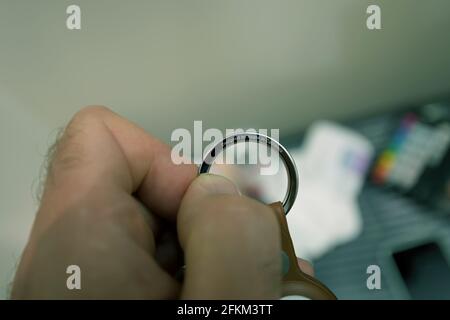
(115,205)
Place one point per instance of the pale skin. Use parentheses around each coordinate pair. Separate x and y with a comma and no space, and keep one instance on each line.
(116,205)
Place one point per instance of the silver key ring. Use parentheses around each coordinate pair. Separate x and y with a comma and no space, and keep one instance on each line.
(289,163)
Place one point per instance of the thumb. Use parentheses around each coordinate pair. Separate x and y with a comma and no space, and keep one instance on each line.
(231,243)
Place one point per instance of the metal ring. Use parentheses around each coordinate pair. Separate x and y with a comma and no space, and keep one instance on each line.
(289,163)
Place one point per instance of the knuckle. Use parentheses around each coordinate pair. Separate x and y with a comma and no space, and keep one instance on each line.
(91,112)
(88,115)
(67,151)
(83,121)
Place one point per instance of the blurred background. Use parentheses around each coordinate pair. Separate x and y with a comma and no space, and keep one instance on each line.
(364,113)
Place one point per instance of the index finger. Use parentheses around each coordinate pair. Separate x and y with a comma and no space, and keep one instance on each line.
(99,150)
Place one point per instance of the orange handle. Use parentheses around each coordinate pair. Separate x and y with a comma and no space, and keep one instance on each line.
(295,282)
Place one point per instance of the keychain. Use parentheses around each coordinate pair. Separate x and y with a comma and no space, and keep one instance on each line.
(295,282)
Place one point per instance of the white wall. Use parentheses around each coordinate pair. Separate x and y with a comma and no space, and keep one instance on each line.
(23,141)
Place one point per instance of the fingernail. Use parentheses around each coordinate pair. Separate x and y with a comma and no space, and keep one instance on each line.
(207,184)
